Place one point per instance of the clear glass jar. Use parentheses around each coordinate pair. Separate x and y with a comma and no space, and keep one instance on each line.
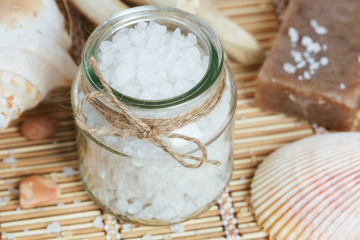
(134,179)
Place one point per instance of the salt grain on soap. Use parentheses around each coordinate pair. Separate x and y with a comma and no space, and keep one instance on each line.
(324,61)
(289,68)
(307,75)
(342,86)
(293,34)
(317,28)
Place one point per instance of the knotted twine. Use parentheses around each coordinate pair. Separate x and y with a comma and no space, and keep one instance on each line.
(127,124)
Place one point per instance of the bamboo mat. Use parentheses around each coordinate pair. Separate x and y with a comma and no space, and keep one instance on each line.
(257,133)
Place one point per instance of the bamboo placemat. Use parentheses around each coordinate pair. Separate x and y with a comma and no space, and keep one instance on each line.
(257,133)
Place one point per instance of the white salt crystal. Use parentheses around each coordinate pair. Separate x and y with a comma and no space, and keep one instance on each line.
(296,55)
(77,202)
(11,151)
(18,209)
(310,60)
(314,66)
(317,28)
(13,191)
(177,228)
(39,209)
(165,237)
(289,68)
(54,227)
(301,64)
(11,236)
(118,236)
(126,226)
(313,47)
(30,183)
(342,86)
(306,41)
(324,47)
(197,233)
(324,61)
(147,237)
(146,54)
(108,237)
(307,75)
(26,229)
(98,222)
(293,34)
(306,54)
(60,204)
(68,172)
(9,160)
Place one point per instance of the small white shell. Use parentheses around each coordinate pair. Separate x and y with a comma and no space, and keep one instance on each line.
(310,189)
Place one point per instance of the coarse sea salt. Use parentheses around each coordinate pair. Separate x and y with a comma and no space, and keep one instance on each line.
(317,28)
(177,228)
(152,185)
(293,34)
(98,222)
(10,160)
(68,172)
(342,86)
(289,68)
(145,61)
(307,75)
(147,237)
(324,61)
(54,227)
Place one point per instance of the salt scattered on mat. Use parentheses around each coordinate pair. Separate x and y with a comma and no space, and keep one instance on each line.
(177,228)
(147,237)
(126,226)
(10,236)
(68,172)
(54,227)
(10,160)
(98,222)
(4,201)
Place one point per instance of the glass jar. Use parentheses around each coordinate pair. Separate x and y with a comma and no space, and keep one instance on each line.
(134,179)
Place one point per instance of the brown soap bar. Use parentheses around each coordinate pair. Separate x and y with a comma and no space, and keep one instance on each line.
(313,68)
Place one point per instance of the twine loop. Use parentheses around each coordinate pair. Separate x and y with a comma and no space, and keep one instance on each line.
(125,123)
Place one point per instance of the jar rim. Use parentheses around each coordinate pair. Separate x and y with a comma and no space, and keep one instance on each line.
(145,13)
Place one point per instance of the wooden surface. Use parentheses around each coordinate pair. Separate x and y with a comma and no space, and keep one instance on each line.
(257,133)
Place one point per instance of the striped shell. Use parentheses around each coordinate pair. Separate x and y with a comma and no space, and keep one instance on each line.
(310,189)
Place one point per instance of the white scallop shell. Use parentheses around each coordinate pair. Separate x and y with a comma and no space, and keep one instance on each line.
(310,189)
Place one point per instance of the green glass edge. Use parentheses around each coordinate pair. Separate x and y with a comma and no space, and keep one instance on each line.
(213,73)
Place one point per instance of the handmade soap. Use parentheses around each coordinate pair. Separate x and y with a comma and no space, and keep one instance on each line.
(313,68)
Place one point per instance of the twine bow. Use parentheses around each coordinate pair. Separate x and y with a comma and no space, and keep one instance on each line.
(126,123)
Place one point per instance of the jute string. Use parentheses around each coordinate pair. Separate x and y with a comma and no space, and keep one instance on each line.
(126,123)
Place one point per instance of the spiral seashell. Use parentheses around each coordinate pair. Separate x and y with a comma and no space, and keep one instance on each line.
(310,189)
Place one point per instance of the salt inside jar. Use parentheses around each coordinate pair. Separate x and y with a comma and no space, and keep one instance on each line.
(161,63)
